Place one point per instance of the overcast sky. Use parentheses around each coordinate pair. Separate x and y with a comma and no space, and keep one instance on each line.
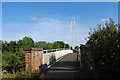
(51,21)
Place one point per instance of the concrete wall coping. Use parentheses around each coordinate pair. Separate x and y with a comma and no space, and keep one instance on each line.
(33,49)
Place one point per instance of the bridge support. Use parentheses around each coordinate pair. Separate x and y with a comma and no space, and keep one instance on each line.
(33,57)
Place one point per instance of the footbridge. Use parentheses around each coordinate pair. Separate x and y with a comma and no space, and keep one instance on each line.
(59,63)
(36,57)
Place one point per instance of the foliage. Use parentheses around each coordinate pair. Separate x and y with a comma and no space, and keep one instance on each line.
(12,46)
(13,55)
(28,42)
(76,47)
(104,46)
(0,58)
(10,61)
(5,46)
(21,62)
(67,46)
(21,75)
(1,43)
(25,74)
(41,44)
(55,45)
(49,45)
(58,44)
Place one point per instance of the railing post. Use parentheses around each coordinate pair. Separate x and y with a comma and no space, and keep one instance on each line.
(33,58)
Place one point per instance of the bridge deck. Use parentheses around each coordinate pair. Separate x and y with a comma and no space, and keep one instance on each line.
(65,68)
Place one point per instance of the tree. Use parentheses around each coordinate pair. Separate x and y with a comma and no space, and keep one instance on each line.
(41,44)
(76,47)
(27,42)
(67,46)
(12,46)
(9,62)
(13,57)
(58,44)
(5,46)
(104,47)
(21,62)
(71,48)
(1,42)
(20,43)
(49,45)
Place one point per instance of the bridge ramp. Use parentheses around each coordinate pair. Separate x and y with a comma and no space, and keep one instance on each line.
(65,68)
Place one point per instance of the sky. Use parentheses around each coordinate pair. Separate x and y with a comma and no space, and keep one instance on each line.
(60,0)
(51,21)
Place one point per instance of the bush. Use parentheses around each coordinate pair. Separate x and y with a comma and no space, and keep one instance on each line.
(13,62)
(104,46)
(23,74)
(9,62)
(20,75)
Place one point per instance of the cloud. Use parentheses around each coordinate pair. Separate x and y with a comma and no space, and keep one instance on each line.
(104,19)
(33,18)
(45,29)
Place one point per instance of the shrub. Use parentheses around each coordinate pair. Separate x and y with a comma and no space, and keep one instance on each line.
(104,46)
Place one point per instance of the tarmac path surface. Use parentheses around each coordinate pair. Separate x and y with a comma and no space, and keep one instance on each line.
(65,68)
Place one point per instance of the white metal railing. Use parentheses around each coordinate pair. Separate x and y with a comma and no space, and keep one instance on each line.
(53,50)
(52,57)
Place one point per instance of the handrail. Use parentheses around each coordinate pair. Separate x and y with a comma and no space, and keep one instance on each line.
(53,50)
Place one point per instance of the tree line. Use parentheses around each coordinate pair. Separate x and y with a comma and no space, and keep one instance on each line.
(13,54)
(27,42)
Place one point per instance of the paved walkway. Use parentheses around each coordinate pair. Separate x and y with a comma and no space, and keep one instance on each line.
(65,68)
